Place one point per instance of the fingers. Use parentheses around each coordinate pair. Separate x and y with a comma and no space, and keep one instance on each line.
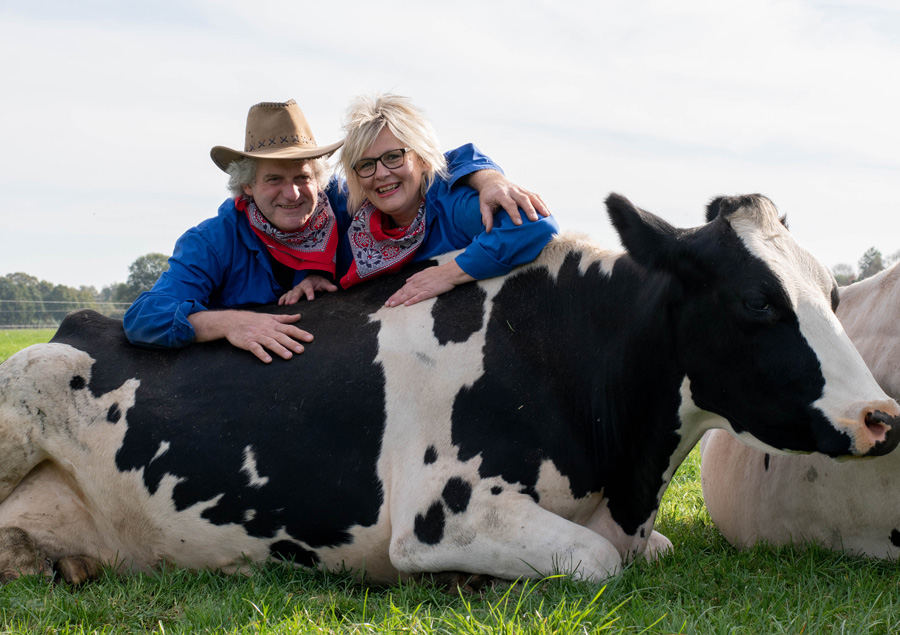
(259,351)
(487,216)
(523,201)
(291,297)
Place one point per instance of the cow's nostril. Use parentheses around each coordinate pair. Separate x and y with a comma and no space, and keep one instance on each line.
(875,423)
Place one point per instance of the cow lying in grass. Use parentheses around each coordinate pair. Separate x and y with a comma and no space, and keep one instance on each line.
(514,427)
(852,506)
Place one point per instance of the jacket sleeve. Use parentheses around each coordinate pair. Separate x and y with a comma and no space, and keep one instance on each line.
(486,255)
(159,317)
(467,159)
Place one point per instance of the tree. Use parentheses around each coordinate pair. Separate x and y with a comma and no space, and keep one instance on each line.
(893,258)
(142,275)
(145,271)
(870,263)
(844,274)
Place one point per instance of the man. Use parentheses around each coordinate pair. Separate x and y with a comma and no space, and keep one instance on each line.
(278,228)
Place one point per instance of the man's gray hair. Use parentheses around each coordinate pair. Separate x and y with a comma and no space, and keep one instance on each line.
(243,172)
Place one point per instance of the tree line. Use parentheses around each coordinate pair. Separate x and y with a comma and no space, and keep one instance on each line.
(869,264)
(27,301)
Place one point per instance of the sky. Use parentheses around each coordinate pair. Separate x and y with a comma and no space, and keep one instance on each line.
(108,109)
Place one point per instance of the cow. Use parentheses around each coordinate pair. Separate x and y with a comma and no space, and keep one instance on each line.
(516,427)
(850,506)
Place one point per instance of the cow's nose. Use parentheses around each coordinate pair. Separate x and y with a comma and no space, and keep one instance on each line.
(884,430)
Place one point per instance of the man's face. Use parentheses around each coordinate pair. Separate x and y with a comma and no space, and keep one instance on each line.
(285,191)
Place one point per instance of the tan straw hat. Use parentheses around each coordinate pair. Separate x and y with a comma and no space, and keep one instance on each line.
(275,131)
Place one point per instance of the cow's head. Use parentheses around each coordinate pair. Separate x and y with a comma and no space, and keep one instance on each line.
(756,332)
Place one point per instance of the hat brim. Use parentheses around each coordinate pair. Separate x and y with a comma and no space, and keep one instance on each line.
(223,157)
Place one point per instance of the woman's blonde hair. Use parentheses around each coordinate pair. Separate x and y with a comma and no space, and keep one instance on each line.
(366,118)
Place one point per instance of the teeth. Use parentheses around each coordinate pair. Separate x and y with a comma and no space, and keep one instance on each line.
(388,188)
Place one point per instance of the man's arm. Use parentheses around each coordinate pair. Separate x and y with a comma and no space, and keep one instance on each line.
(495,191)
(469,166)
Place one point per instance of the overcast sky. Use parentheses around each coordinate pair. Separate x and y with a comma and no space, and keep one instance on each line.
(108,109)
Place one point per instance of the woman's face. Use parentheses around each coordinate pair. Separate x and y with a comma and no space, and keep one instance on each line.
(397,191)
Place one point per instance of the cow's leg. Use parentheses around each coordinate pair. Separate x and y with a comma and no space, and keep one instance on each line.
(507,539)
(19,555)
(44,520)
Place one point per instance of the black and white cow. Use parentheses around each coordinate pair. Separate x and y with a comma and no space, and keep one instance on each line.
(513,427)
(851,506)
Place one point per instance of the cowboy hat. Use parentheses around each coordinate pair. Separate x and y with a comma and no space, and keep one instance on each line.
(275,131)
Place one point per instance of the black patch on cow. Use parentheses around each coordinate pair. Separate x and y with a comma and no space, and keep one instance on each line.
(77,383)
(114,413)
(459,314)
(457,494)
(290,551)
(766,462)
(539,391)
(429,529)
(895,538)
(643,533)
(313,423)
(431,455)
(812,475)
(496,490)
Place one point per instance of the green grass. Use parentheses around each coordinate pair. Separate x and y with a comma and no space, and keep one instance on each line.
(704,586)
(13,340)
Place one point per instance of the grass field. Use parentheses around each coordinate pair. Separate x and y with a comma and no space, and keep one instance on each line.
(17,339)
(704,586)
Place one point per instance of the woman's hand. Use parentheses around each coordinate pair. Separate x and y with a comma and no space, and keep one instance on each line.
(429,283)
(307,287)
(495,191)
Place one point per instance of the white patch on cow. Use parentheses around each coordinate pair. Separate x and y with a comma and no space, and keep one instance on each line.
(163,448)
(249,468)
(849,386)
(562,245)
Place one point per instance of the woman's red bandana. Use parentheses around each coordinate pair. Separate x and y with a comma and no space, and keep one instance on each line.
(313,246)
(378,250)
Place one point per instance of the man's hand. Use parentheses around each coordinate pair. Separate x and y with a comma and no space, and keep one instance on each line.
(496,191)
(254,332)
(307,287)
(429,283)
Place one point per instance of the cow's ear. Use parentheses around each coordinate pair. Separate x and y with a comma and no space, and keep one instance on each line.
(650,240)
(714,207)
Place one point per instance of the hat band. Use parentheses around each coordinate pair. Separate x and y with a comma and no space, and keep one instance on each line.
(280,140)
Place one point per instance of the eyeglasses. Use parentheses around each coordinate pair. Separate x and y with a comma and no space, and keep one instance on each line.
(391,159)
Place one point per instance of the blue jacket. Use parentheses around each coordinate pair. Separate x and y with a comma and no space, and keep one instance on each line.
(221,264)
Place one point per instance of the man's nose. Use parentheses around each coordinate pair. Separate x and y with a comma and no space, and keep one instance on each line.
(291,191)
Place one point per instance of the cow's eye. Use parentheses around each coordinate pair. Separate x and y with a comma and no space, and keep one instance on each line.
(759,308)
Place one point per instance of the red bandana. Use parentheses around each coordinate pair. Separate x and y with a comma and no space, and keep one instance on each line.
(378,250)
(313,246)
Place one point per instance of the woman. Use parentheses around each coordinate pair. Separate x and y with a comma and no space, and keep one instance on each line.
(404,208)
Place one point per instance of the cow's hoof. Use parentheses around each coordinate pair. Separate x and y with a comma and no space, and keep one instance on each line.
(20,556)
(78,569)
(657,546)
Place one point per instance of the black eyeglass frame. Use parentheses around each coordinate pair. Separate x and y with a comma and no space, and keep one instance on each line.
(375,161)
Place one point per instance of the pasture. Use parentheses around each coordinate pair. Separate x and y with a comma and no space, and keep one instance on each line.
(703,587)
